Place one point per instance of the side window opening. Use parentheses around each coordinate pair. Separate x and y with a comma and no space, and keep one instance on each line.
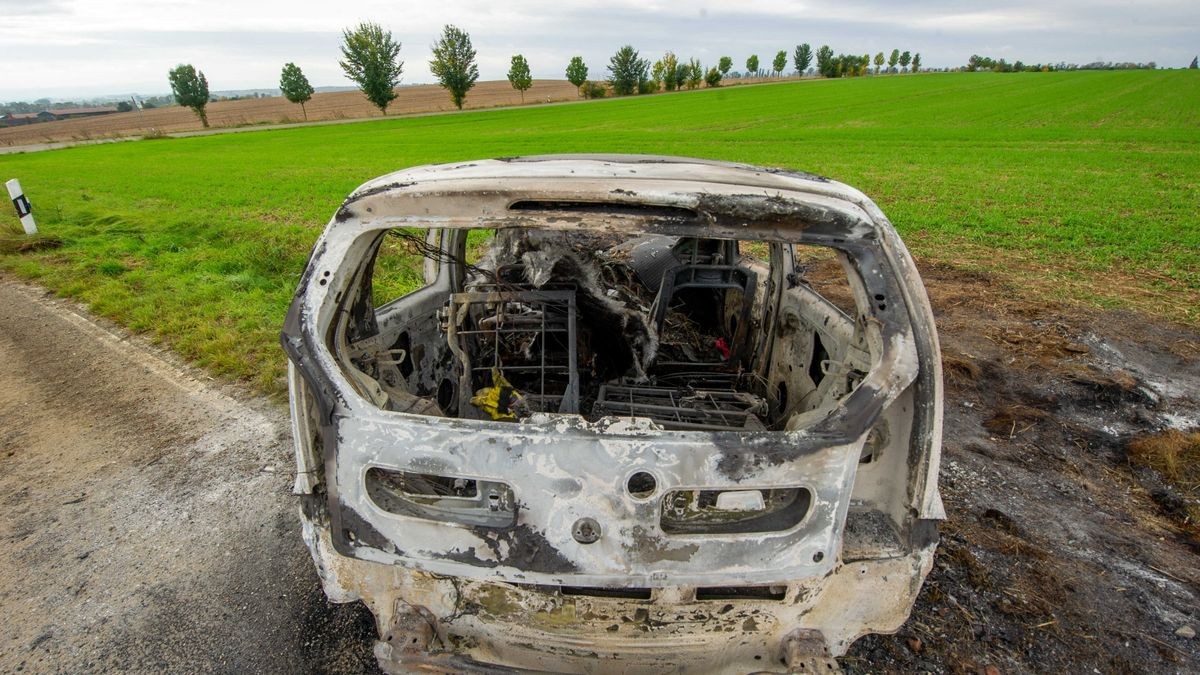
(399,267)
(821,270)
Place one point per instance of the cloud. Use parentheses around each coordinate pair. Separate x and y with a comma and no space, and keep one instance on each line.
(10,9)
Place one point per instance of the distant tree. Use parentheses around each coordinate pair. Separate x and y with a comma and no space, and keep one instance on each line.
(1195,63)
(905,59)
(667,70)
(724,65)
(695,73)
(656,74)
(627,71)
(845,65)
(453,63)
(752,65)
(190,88)
(577,72)
(295,86)
(893,59)
(683,75)
(878,62)
(713,77)
(591,89)
(916,62)
(780,62)
(825,65)
(370,62)
(802,58)
(124,106)
(518,75)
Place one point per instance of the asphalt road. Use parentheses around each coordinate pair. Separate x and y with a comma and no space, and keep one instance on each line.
(146,523)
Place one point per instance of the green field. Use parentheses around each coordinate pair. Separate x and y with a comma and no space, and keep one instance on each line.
(1081,186)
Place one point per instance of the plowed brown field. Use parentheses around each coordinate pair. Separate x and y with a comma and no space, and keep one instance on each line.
(331,106)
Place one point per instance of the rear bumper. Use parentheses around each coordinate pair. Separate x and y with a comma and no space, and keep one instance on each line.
(439,623)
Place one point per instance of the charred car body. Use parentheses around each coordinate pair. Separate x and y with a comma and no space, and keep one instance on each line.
(616,428)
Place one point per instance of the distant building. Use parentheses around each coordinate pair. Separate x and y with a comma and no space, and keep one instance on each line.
(72,113)
(18,119)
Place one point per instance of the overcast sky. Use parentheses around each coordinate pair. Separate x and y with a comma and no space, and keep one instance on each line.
(79,48)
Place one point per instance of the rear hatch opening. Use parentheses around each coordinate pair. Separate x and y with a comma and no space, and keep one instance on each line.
(676,330)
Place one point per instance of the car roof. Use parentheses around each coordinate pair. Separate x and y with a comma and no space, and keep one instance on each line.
(553,190)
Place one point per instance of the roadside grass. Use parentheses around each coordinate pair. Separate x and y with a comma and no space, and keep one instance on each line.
(1082,187)
(14,240)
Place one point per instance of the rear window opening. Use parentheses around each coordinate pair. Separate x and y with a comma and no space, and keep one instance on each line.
(692,333)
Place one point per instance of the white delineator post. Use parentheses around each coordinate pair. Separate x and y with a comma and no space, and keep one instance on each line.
(24,212)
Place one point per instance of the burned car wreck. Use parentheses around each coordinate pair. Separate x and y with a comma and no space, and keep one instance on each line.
(615,427)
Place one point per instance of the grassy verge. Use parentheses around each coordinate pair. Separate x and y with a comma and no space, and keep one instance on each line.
(1083,186)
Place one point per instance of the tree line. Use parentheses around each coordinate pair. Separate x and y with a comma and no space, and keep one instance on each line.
(370,58)
(977,63)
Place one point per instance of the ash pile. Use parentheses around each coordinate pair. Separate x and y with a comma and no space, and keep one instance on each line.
(577,323)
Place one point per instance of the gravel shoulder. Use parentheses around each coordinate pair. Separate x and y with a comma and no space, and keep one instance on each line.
(145,517)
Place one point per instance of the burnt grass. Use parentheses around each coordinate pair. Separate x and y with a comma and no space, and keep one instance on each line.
(1058,553)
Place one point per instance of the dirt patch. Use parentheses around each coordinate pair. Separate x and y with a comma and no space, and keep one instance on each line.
(1057,554)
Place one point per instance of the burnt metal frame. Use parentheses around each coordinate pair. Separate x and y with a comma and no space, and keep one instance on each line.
(458,338)
(717,410)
